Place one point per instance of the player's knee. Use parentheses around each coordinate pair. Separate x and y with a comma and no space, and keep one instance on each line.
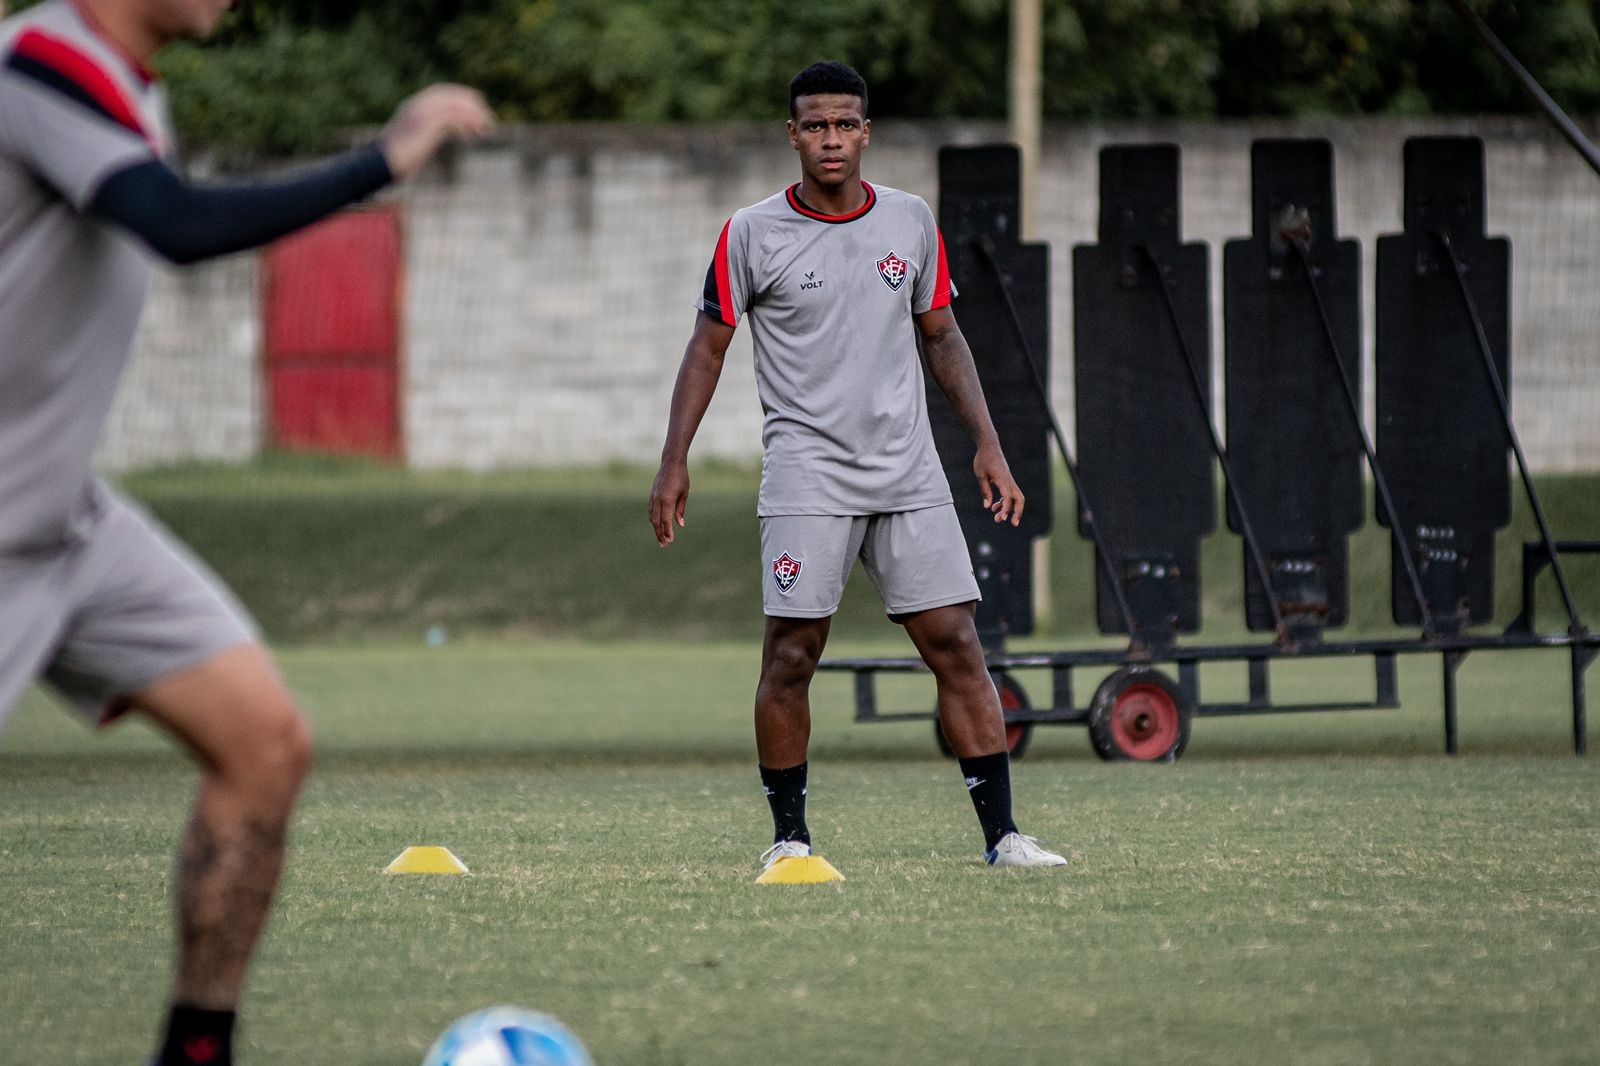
(791,662)
(295,746)
(955,644)
(272,757)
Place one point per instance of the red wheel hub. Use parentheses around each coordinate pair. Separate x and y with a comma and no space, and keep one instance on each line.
(1144,721)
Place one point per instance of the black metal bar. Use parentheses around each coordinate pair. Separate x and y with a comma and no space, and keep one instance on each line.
(1582,656)
(1535,557)
(866,696)
(1248,710)
(1528,84)
(1061,688)
(1189,679)
(985,246)
(1386,690)
(1575,624)
(1452,662)
(1260,688)
(1190,656)
(1353,404)
(1202,397)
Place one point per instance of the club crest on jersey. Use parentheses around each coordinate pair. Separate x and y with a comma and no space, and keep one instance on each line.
(892,269)
(785,572)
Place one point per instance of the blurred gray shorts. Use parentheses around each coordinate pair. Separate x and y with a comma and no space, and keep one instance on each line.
(111,611)
(917,560)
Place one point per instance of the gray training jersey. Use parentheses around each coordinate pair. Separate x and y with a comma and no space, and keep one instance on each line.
(73,112)
(830,300)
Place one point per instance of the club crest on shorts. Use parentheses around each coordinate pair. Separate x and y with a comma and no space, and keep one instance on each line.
(786,571)
(892,269)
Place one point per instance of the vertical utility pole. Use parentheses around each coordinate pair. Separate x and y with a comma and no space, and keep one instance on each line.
(1027,46)
(1027,56)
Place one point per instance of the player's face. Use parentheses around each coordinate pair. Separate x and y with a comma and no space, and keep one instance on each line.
(829,132)
(178,20)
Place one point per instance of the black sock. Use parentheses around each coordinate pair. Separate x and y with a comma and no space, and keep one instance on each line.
(786,795)
(989,785)
(197,1037)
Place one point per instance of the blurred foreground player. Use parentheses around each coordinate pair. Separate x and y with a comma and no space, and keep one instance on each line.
(843,283)
(94,597)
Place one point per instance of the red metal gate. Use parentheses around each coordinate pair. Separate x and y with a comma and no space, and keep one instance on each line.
(332,297)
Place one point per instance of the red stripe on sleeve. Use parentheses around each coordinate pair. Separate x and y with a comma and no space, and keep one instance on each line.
(730,317)
(941,279)
(81,69)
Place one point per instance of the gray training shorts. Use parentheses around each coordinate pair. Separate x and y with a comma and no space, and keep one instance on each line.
(103,616)
(917,560)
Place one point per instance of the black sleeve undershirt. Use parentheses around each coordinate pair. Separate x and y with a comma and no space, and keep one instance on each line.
(185,223)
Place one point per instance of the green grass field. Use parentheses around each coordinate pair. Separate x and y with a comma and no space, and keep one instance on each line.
(1317,889)
(333,551)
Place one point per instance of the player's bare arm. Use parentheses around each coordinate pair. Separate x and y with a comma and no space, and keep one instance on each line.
(949,360)
(697,382)
(427,120)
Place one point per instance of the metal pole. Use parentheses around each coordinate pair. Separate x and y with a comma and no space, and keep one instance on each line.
(1528,84)
(1027,48)
(1498,391)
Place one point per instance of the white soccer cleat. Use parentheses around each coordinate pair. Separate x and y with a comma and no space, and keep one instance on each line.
(784,849)
(1015,849)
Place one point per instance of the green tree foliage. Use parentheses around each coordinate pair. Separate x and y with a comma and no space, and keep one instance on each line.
(284,74)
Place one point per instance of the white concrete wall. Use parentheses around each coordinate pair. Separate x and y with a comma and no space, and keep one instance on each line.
(550,280)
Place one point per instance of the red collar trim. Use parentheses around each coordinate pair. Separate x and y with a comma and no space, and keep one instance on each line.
(144,72)
(793,196)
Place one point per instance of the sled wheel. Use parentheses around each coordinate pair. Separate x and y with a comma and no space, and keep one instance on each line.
(1141,715)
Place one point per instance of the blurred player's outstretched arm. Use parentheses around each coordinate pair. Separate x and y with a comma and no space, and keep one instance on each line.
(949,360)
(185,222)
(697,381)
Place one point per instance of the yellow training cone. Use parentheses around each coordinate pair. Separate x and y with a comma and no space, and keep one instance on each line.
(426,860)
(796,870)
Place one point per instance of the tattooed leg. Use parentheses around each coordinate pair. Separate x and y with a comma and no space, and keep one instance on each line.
(226,878)
(235,716)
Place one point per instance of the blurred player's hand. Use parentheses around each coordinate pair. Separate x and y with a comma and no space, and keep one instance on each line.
(428,119)
(668,499)
(1001,493)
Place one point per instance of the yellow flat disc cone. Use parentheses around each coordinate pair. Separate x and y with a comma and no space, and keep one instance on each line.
(426,860)
(810,870)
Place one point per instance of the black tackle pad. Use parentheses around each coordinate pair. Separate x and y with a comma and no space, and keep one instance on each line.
(1442,442)
(980,206)
(1292,443)
(1144,446)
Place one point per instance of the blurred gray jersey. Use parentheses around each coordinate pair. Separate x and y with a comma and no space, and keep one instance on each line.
(830,301)
(73,112)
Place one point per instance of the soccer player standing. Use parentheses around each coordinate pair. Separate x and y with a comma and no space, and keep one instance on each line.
(843,283)
(94,596)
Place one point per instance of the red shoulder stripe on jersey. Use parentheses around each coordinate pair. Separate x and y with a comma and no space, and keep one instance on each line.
(67,69)
(941,278)
(724,284)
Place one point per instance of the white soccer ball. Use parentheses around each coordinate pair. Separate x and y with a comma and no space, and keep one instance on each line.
(507,1036)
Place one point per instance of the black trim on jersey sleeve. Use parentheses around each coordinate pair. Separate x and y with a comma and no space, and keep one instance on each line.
(711,301)
(185,223)
(62,84)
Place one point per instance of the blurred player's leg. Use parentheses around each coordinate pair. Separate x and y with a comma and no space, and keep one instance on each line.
(253,746)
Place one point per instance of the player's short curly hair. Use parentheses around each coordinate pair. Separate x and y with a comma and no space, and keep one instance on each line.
(827,77)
